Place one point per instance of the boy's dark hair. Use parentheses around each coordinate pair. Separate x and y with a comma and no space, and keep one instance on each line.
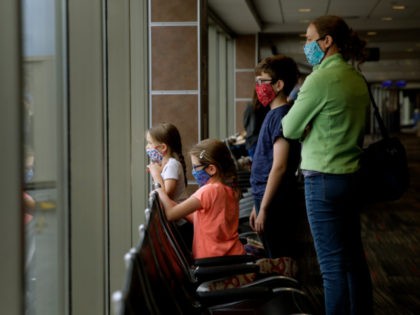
(280,67)
(167,133)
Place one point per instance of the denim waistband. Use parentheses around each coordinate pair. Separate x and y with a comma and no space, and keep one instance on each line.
(307,173)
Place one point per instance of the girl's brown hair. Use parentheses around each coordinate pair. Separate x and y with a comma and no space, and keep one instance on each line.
(216,152)
(168,134)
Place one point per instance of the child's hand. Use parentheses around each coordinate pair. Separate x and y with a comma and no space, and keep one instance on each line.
(256,222)
(155,169)
(252,218)
(259,222)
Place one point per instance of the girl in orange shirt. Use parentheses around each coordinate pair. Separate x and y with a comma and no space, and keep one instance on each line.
(214,207)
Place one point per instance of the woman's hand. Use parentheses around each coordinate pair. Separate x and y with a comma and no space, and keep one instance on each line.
(307,131)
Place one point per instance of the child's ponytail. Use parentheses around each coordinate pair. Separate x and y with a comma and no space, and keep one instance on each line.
(181,160)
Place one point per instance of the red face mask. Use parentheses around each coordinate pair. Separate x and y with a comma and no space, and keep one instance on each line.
(265,93)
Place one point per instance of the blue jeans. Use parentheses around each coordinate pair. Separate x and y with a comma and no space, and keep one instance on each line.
(332,206)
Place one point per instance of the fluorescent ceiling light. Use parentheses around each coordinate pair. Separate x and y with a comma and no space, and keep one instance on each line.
(398,7)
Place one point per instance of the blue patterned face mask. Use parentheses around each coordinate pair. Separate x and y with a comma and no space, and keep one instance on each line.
(201,176)
(154,155)
(313,52)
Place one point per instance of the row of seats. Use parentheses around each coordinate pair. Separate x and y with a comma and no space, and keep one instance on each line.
(162,278)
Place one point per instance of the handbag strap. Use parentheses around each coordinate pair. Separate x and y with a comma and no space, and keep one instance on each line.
(378,117)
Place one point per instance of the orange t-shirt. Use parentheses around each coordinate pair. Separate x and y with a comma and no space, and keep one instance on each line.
(216,224)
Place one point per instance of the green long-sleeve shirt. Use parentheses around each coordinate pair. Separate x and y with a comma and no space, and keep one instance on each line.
(332,102)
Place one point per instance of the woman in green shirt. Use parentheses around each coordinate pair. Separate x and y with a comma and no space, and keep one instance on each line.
(329,117)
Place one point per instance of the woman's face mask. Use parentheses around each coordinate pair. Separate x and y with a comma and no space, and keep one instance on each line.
(265,93)
(313,52)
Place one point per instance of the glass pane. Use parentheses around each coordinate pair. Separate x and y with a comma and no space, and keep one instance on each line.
(44,147)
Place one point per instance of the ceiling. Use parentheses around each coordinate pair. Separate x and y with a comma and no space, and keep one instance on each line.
(280,25)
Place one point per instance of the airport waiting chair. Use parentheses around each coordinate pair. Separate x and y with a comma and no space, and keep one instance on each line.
(158,283)
(153,283)
(224,266)
(134,298)
(184,290)
(205,268)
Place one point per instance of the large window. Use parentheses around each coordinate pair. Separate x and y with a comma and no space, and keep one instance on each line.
(221,84)
(45,155)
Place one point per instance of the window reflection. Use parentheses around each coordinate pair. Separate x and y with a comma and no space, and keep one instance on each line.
(44,165)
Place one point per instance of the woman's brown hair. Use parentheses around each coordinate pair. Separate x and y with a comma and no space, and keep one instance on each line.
(346,39)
